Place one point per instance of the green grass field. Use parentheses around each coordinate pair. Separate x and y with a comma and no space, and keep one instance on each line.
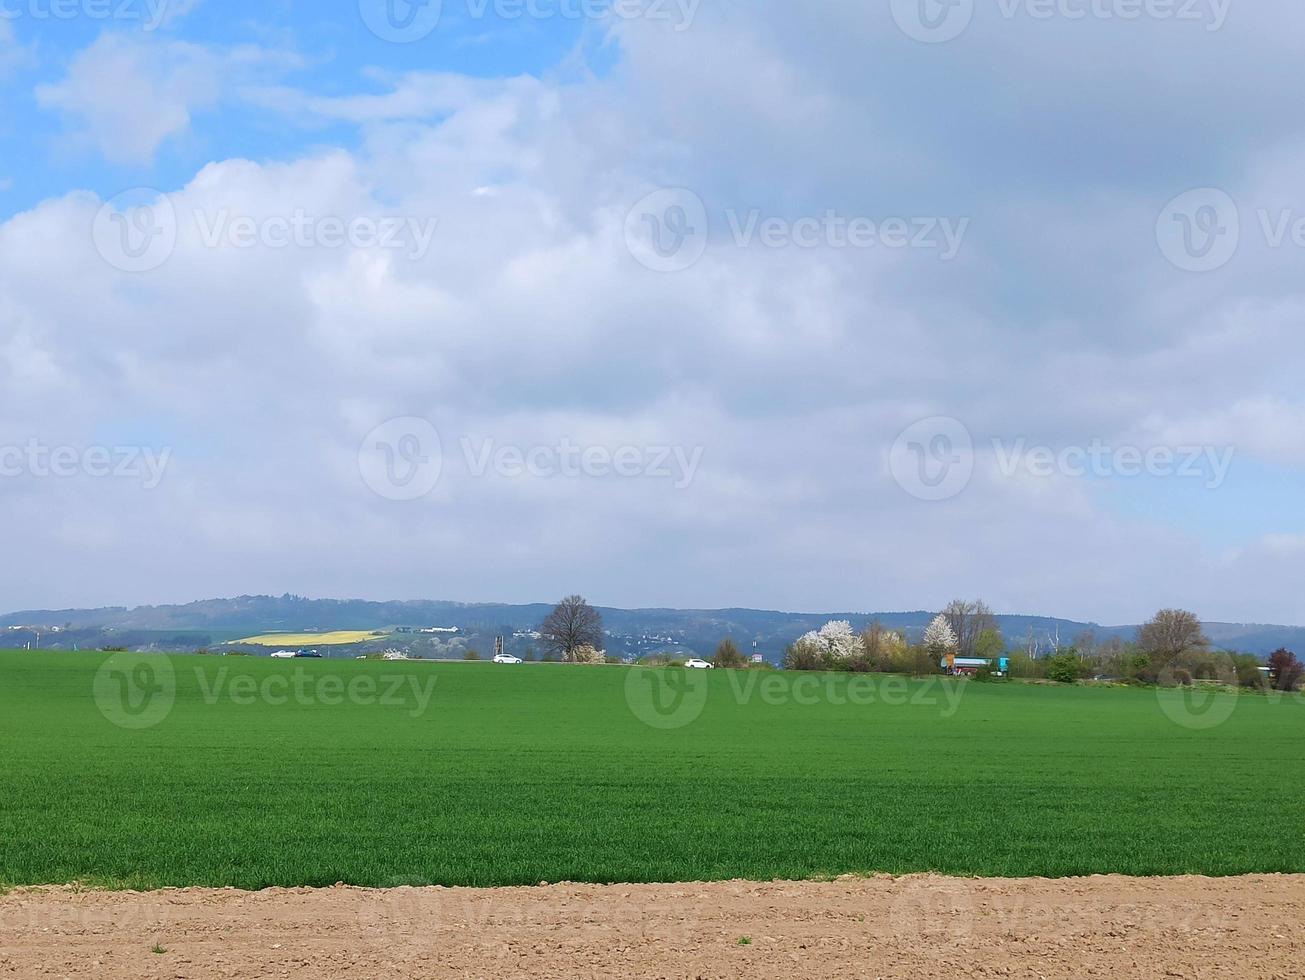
(370,775)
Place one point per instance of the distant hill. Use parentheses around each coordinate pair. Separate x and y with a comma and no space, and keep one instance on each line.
(632,631)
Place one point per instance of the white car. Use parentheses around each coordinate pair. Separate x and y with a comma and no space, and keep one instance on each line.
(696,664)
(507,658)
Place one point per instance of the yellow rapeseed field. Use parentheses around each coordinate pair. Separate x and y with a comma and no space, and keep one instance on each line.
(336,638)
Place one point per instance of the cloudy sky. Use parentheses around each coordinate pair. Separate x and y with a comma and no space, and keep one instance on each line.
(839,305)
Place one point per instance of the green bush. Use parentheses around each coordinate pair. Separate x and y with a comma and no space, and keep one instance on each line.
(1249,673)
(1139,669)
(729,656)
(802,657)
(1065,668)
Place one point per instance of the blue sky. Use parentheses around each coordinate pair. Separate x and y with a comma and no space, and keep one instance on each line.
(324,48)
(669,302)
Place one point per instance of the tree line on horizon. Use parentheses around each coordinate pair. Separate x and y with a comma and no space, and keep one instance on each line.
(1169,649)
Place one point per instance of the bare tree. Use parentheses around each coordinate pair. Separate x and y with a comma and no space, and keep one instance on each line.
(729,655)
(969,621)
(1086,643)
(1032,645)
(879,644)
(1170,635)
(572,624)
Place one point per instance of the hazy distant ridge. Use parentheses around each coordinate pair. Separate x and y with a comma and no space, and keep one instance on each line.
(695,628)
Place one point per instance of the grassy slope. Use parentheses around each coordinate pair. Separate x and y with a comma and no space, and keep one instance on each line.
(540,772)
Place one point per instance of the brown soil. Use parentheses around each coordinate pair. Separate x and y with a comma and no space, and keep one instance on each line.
(919,926)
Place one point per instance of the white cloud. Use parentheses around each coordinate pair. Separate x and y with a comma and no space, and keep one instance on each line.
(127,94)
(529,322)
(12,54)
(172,11)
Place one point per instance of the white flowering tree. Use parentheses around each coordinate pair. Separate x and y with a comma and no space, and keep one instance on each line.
(807,653)
(588,654)
(939,638)
(839,639)
(835,640)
